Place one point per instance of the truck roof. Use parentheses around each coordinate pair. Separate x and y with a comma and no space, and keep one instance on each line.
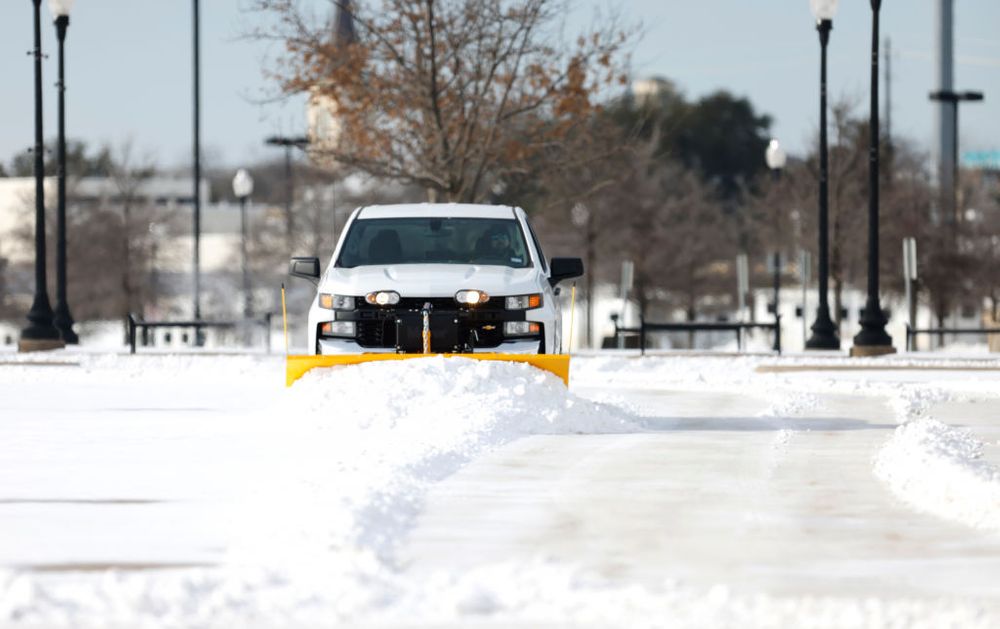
(437,210)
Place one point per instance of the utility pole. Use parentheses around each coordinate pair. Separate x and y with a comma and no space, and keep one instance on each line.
(888,94)
(945,131)
(197,173)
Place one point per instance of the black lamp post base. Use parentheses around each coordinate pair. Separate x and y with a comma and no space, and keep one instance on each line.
(872,337)
(39,345)
(817,341)
(862,351)
(39,337)
(824,333)
(63,323)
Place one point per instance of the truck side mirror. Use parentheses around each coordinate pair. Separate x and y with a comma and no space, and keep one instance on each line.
(306,268)
(564,269)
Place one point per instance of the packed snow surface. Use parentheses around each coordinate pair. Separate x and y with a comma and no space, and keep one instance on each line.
(314,488)
(928,464)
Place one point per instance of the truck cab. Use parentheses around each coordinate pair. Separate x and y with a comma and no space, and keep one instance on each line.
(436,278)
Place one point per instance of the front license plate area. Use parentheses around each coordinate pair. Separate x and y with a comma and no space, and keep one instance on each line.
(444,332)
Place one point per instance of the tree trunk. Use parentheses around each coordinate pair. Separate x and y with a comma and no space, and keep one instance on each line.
(692,299)
(838,303)
(691,314)
(942,312)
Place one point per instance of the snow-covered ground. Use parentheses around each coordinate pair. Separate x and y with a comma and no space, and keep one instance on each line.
(678,490)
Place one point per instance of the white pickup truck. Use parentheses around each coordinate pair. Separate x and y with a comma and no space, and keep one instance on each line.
(436,278)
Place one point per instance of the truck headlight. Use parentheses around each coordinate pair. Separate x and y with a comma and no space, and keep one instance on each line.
(335,302)
(337,328)
(524,302)
(521,328)
(471,297)
(383,298)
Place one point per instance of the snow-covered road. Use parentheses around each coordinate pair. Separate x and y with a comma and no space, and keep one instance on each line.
(670,491)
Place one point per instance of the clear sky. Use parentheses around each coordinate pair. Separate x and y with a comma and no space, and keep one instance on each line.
(129,69)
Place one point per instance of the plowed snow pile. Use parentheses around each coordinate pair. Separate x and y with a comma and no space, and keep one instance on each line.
(379,432)
(939,469)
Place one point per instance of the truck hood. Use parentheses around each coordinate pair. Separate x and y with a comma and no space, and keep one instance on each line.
(430,280)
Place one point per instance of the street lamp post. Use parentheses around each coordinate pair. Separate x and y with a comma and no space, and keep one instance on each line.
(40,334)
(63,318)
(243,188)
(873,340)
(776,158)
(824,333)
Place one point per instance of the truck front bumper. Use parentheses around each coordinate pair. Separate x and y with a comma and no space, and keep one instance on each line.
(333,346)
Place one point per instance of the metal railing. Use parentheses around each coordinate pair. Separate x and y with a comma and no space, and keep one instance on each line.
(911,333)
(695,326)
(132,325)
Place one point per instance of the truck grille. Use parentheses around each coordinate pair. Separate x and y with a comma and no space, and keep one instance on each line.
(376,326)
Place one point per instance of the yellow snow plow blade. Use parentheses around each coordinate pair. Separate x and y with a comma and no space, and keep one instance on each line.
(296,366)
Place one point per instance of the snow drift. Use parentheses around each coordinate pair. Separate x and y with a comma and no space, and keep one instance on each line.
(939,469)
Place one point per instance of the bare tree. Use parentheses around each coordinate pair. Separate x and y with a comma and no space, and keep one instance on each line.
(110,245)
(129,173)
(448,95)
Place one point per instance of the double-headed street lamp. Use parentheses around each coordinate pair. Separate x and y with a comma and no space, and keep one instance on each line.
(243,188)
(40,333)
(824,333)
(63,318)
(873,340)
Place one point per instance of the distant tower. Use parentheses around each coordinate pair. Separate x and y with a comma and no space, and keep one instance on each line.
(321,111)
(343,24)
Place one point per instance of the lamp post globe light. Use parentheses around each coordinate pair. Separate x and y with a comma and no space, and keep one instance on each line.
(243,188)
(63,319)
(873,340)
(40,334)
(824,333)
(775,156)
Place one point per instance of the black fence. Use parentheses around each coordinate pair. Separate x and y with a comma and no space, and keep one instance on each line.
(133,325)
(912,333)
(692,327)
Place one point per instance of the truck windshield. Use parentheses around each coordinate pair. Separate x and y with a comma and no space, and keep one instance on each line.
(416,240)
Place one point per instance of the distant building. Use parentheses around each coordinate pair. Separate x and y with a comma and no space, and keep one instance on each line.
(170,259)
(17,202)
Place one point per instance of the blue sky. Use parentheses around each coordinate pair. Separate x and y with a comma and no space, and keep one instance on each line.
(129,69)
